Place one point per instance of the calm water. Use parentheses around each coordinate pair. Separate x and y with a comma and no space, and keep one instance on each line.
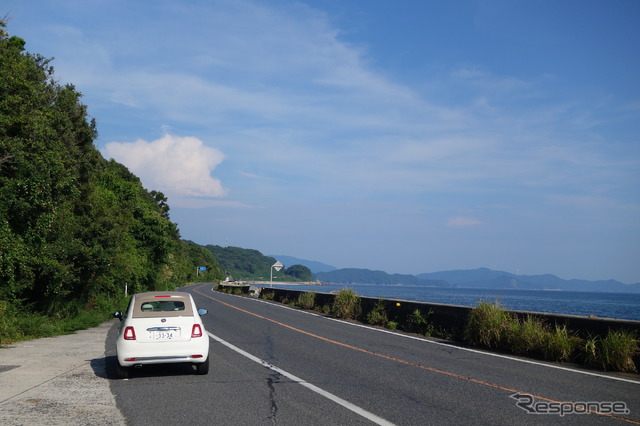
(604,305)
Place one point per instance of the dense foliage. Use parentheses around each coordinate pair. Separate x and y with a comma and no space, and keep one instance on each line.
(74,227)
(249,264)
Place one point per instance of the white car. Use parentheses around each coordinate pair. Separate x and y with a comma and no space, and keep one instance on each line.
(162,327)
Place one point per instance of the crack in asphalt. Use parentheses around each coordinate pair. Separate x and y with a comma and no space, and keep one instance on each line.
(272,399)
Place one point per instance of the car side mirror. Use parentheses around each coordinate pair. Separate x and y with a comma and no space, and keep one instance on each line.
(118,314)
(202,311)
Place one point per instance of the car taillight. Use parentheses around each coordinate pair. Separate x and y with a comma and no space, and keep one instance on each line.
(129,333)
(196,331)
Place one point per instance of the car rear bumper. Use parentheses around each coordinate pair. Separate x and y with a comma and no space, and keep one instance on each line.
(131,361)
(131,353)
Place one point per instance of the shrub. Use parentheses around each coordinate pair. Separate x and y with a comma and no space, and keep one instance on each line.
(307,299)
(346,304)
(378,316)
(526,337)
(267,295)
(486,325)
(392,325)
(419,323)
(560,344)
(590,351)
(617,351)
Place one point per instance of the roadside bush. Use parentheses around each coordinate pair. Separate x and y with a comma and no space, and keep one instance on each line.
(617,351)
(560,344)
(590,351)
(346,304)
(378,315)
(17,326)
(487,325)
(267,295)
(419,323)
(526,337)
(307,299)
(325,309)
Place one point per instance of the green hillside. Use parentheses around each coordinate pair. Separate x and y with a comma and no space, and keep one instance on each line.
(248,264)
(74,227)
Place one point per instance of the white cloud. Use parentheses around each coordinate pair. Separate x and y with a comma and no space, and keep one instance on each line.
(177,166)
(462,221)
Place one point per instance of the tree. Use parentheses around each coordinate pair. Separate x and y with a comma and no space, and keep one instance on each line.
(299,271)
(74,227)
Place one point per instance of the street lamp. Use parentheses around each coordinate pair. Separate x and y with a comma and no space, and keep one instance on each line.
(277,266)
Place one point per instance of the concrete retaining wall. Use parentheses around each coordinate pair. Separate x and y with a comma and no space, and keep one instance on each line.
(450,320)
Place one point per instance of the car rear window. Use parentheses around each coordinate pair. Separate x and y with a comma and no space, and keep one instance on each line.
(162,306)
(149,307)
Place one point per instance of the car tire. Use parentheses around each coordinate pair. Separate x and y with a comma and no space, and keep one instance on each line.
(123,372)
(202,368)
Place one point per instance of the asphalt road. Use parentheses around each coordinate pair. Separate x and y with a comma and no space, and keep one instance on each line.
(273,365)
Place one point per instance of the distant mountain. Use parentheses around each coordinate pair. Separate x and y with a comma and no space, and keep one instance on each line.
(366,276)
(314,266)
(488,278)
(470,278)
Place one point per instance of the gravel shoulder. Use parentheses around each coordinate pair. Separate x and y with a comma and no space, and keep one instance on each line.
(58,381)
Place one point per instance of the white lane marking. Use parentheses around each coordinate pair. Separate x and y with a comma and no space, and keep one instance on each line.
(433,342)
(346,404)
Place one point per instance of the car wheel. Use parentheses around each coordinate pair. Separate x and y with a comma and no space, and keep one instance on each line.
(202,368)
(123,372)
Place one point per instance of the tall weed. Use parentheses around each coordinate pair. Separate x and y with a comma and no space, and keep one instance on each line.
(560,344)
(378,315)
(419,323)
(617,351)
(346,304)
(307,299)
(487,325)
(526,337)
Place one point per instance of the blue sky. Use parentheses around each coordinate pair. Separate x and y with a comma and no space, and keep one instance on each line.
(408,136)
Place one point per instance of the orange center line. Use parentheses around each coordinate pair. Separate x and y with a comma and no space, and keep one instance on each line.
(412,364)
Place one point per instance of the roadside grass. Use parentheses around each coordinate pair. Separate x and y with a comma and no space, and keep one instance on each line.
(346,304)
(487,325)
(491,326)
(18,326)
(378,315)
(419,323)
(617,351)
(307,300)
(525,337)
(267,295)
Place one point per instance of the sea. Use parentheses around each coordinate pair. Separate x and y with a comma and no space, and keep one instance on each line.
(624,306)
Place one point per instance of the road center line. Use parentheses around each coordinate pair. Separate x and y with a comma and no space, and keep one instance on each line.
(346,404)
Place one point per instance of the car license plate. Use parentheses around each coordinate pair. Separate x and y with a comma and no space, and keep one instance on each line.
(164,335)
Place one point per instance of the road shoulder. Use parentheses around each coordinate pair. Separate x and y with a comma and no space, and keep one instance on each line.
(58,380)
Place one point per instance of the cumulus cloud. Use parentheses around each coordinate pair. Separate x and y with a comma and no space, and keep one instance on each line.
(177,166)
